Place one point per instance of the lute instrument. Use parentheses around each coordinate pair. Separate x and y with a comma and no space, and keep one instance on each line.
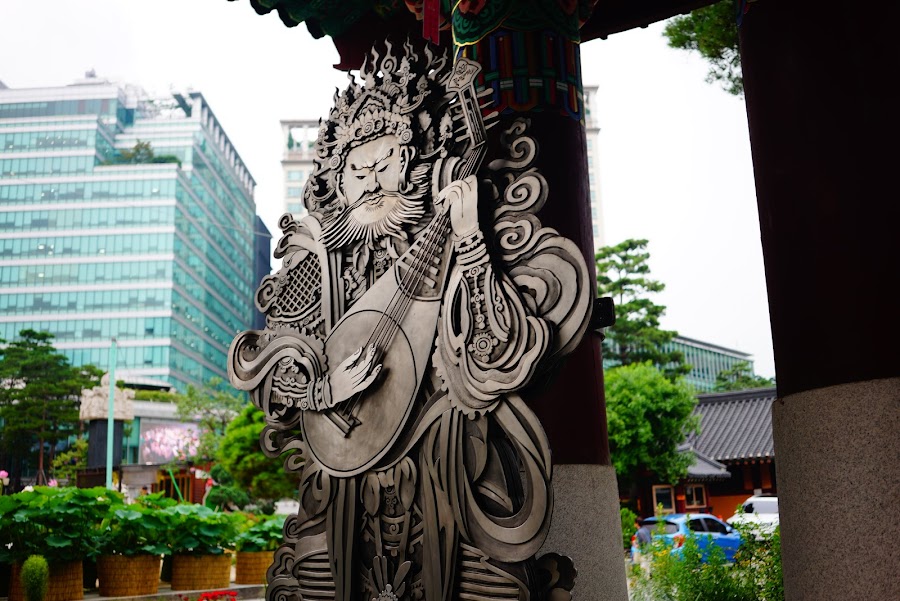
(399,315)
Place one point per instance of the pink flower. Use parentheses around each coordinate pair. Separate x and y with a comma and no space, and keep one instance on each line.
(4,474)
(52,483)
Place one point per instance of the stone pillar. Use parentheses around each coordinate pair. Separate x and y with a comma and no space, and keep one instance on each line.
(97,443)
(838,485)
(532,62)
(823,127)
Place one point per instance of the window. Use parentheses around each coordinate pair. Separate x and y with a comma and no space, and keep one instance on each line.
(763,506)
(664,495)
(695,495)
(667,527)
(715,526)
(696,525)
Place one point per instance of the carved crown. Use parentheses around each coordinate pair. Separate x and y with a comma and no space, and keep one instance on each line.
(394,94)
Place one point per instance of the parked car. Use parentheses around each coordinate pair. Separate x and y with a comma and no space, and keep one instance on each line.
(759,512)
(708,529)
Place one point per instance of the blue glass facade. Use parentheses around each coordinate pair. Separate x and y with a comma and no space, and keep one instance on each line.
(706,361)
(160,255)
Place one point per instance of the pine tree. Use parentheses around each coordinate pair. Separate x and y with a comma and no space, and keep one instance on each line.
(636,337)
(40,394)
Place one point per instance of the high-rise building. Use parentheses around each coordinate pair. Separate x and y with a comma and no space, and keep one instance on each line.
(592,130)
(262,263)
(299,140)
(128,216)
(706,360)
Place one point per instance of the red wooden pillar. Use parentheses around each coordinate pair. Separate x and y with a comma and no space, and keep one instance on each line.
(823,130)
(535,72)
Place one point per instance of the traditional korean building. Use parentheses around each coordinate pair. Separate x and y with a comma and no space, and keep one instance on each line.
(734,457)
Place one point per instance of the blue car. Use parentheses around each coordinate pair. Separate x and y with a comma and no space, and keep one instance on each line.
(708,530)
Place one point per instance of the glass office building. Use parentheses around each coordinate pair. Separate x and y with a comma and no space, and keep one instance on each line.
(706,360)
(97,241)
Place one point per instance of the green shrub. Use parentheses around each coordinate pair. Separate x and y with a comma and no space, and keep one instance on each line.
(759,560)
(263,534)
(628,519)
(755,574)
(199,529)
(61,524)
(133,530)
(35,578)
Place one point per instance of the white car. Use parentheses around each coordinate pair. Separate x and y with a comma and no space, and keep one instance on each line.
(759,511)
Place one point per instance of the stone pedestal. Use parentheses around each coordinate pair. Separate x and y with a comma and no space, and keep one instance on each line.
(586,527)
(839,481)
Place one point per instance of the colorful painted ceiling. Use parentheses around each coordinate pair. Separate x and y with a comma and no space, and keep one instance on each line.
(473,19)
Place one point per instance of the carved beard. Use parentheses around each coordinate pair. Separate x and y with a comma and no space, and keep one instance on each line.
(408,209)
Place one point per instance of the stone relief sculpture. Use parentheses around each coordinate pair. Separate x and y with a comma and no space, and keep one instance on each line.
(95,402)
(416,302)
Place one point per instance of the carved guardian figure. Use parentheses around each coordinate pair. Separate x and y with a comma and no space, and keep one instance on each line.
(415,304)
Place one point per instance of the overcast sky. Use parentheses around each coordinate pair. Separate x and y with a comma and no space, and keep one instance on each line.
(675,155)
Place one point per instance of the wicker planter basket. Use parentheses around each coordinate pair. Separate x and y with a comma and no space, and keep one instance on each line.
(122,576)
(198,572)
(251,566)
(66,582)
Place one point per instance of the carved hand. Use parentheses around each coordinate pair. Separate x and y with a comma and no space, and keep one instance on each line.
(461,199)
(353,375)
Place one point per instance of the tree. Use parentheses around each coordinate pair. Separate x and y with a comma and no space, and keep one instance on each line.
(212,407)
(141,153)
(39,396)
(67,464)
(224,495)
(636,337)
(649,416)
(239,453)
(740,377)
(712,31)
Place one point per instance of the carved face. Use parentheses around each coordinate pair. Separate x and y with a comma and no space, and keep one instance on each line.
(372,176)
(383,195)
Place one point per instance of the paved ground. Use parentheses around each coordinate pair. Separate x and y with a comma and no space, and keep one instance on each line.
(245,592)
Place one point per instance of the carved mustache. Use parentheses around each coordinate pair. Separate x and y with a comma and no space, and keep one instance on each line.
(370,197)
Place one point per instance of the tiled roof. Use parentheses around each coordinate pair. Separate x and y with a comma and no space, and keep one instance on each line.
(735,426)
(703,467)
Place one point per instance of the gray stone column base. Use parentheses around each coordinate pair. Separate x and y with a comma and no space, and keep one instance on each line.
(837,452)
(586,527)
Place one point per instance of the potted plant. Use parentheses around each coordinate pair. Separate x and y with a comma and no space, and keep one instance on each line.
(256,546)
(132,541)
(200,540)
(61,524)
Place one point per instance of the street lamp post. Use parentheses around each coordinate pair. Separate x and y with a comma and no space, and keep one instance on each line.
(110,416)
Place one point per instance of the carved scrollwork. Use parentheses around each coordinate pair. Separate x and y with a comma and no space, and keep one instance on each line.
(521,148)
(526,193)
(277,367)
(549,269)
